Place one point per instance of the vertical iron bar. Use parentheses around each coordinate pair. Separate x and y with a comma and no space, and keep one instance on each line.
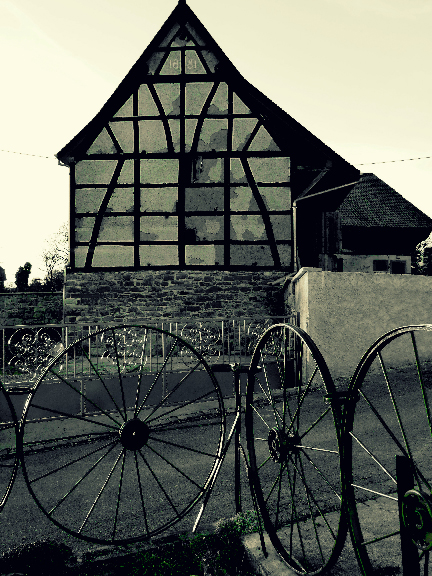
(164,366)
(3,355)
(237,484)
(223,343)
(405,482)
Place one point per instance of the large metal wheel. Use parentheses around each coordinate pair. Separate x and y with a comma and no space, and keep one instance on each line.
(292,427)
(8,443)
(387,449)
(121,434)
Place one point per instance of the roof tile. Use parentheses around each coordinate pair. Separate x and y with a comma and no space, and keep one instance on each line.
(373,203)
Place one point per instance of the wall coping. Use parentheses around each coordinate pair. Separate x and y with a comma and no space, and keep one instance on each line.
(303,271)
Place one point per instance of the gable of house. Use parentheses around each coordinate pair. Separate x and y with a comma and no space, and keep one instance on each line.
(187,165)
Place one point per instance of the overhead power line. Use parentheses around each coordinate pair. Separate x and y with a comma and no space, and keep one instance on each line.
(388,161)
(361,164)
(26,154)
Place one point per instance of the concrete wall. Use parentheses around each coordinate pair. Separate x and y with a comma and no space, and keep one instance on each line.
(345,312)
(127,296)
(30,308)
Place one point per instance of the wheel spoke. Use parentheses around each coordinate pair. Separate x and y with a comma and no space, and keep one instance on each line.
(374,458)
(160,485)
(178,407)
(141,493)
(119,375)
(80,480)
(297,518)
(96,371)
(278,477)
(270,397)
(317,421)
(140,372)
(175,467)
(422,386)
(77,417)
(323,476)
(156,439)
(312,516)
(318,507)
(256,411)
(100,492)
(85,397)
(374,492)
(119,495)
(176,387)
(71,462)
(265,462)
(301,400)
(278,495)
(396,409)
(153,384)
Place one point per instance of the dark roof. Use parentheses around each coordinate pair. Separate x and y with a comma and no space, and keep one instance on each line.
(295,140)
(373,203)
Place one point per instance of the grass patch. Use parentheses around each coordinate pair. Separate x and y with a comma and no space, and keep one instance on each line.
(206,554)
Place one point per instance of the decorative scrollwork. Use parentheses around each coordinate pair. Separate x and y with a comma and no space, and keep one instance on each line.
(207,340)
(32,349)
(129,347)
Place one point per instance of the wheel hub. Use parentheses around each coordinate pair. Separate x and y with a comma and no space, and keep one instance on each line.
(134,434)
(417,517)
(281,444)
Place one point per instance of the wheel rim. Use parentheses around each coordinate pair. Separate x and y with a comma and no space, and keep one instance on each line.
(293,444)
(388,415)
(8,440)
(117,410)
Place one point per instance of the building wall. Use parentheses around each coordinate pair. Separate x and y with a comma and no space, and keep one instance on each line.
(364,262)
(128,296)
(345,313)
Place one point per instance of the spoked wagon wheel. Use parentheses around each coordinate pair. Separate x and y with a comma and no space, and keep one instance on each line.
(8,452)
(292,427)
(388,442)
(121,434)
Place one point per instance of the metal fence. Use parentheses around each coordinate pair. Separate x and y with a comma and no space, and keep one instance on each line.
(26,350)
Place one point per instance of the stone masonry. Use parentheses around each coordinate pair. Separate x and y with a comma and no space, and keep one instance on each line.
(102,297)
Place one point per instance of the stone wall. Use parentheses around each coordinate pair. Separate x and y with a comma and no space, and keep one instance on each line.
(30,308)
(128,296)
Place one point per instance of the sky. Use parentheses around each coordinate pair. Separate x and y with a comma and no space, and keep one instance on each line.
(355,73)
